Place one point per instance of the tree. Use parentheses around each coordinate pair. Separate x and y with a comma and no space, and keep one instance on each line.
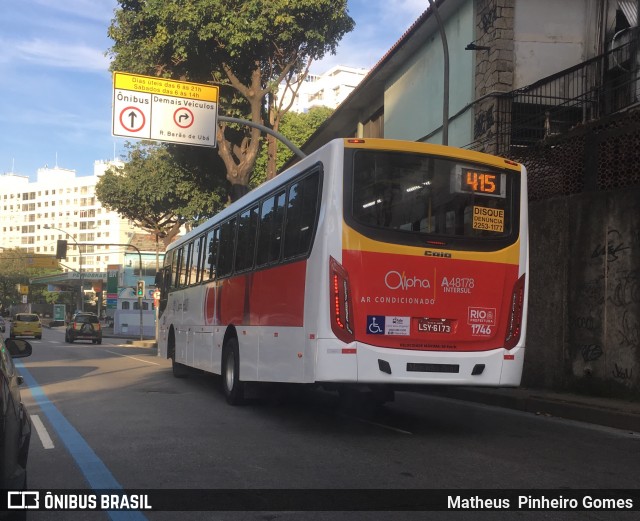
(298,127)
(248,47)
(157,193)
(14,271)
(278,107)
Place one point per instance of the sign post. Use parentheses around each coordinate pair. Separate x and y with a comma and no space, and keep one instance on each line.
(59,313)
(156,305)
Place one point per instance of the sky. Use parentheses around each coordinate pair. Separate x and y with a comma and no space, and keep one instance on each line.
(56,89)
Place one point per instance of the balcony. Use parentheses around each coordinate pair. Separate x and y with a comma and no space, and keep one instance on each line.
(592,90)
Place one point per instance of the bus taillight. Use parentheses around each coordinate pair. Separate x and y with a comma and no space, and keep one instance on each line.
(340,302)
(514,327)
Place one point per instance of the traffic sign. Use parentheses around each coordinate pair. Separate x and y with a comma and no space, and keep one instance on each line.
(148,107)
(35,260)
(132,119)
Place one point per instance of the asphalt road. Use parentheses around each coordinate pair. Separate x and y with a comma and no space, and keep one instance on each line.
(115,414)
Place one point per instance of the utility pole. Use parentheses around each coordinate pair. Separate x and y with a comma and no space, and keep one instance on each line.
(445,98)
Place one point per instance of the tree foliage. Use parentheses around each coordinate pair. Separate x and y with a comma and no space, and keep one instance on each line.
(156,191)
(297,127)
(248,47)
(14,270)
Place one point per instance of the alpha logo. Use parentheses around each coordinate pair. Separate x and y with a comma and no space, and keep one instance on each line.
(396,280)
(441,254)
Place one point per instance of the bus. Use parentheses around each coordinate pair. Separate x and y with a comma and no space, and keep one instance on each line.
(373,263)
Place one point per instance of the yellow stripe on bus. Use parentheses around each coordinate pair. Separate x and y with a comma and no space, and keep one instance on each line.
(352,240)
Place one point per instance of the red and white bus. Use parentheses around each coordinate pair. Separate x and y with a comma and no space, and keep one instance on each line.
(372,262)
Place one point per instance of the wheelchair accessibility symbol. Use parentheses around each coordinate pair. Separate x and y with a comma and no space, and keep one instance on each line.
(375,325)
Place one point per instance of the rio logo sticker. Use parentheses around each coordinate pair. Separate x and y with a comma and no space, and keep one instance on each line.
(482,320)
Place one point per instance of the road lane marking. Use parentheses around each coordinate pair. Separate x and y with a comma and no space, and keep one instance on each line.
(94,470)
(381,425)
(133,357)
(43,434)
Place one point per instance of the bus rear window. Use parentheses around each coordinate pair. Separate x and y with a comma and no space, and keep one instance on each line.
(424,198)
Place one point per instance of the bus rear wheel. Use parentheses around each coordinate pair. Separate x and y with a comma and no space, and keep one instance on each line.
(231,384)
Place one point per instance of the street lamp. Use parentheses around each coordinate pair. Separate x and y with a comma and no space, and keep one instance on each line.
(445,99)
(47,227)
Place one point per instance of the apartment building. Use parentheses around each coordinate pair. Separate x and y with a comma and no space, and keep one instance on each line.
(59,198)
(324,90)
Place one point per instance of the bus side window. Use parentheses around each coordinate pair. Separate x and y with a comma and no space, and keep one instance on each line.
(270,232)
(247,227)
(227,248)
(301,214)
(165,277)
(177,267)
(198,260)
(212,258)
(186,272)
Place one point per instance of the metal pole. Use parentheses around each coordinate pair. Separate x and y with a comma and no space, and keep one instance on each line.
(47,227)
(140,303)
(445,99)
(139,272)
(81,280)
(292,147)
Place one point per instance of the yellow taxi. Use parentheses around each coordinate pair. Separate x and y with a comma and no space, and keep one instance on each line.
(26,324)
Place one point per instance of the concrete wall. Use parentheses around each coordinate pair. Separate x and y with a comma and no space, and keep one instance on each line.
(128,322)
(549,36)
(584,314)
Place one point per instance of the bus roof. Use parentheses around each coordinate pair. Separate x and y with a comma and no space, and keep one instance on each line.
(340,143)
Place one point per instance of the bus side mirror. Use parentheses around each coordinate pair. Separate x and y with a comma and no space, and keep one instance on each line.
(159,280)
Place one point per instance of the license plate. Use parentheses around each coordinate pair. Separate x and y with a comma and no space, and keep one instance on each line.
(435,325)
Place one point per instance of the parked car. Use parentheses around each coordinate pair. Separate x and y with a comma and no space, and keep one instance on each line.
(15,423)
(26,324)
(84,326)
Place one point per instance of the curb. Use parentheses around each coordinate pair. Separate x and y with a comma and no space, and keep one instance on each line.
(617,414)
(142,343)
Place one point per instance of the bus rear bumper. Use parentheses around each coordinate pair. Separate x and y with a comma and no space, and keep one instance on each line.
(362,363)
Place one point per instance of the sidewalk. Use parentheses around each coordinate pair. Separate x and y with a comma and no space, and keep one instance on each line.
(619,414)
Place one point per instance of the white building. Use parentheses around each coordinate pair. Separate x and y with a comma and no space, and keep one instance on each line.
(325,90)
(61,199)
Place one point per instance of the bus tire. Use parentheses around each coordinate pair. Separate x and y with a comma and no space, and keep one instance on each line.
(179,370)
(231,384)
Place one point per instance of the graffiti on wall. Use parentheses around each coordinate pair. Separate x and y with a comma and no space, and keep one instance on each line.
(484,122)
(605,323)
